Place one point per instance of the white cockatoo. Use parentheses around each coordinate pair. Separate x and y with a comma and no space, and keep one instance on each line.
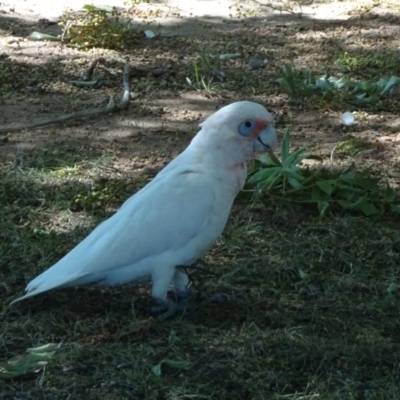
(175,218)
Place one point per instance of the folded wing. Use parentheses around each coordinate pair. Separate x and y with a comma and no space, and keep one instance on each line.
(161,218)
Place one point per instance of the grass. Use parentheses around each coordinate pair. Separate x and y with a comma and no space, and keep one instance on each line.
(318,301)
(314,317)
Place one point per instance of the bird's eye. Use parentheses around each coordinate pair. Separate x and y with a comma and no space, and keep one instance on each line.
(246,127)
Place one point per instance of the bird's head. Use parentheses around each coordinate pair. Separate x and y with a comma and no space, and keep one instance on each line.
(237,131)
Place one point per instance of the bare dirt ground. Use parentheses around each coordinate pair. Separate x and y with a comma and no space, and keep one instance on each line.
(333,335)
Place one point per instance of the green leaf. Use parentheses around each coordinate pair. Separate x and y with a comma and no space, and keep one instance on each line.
(289,75)
(285,85)
(293,173)
(302,274)
(264,174)
(340,83)
(390,194)
(392,287)
(294,183)
(327,186)
(275,159)
(89,7)
(346,204)
(395,208)
(267,160)
(34,359)
(367,208)
(363,205)
(366,86)
(394,80)
(156,369)
(322,84)
(43,36)
(173,337)
(322,207)
(270,183)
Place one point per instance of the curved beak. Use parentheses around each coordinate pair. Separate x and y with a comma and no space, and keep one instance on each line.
(266,140)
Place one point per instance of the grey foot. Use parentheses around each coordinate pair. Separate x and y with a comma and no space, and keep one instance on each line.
(170,308)
(220,298)
(182,295)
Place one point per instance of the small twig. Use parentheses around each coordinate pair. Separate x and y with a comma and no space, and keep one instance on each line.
(111,107)
(79,114)
(125,86)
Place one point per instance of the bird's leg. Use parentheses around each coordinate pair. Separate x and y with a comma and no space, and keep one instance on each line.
(181,284)
(162,279)
(169,307)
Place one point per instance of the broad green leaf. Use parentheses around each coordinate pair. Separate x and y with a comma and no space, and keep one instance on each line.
(390,194)
(267,160)
(302,274)
(294,183)
(395,208)
(285,85)
(361,204)
(34,359)
(298,153)
(264,174)
(288,73)
(340,83)
(316,194)
(292,173)
(366,86)
(326,186)
(43,36)
(322,84)
(173,337)
(275,159)
(367,208)
(360,181)
(269,183)
(346,204)
(392,287)
(394,80)
(90,8)
(156,369)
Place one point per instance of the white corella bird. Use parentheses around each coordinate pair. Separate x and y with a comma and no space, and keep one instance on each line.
(175,218)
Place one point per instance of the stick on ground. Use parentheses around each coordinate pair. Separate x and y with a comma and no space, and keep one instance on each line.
(111,107)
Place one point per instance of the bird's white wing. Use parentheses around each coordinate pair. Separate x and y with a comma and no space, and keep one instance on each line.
(162,217)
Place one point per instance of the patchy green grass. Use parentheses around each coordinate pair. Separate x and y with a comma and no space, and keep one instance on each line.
(314,317)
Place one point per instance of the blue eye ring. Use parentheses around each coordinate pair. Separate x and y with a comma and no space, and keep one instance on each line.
(246,128)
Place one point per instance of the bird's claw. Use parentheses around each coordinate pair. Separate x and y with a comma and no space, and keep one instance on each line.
(170,308)
(219,298)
